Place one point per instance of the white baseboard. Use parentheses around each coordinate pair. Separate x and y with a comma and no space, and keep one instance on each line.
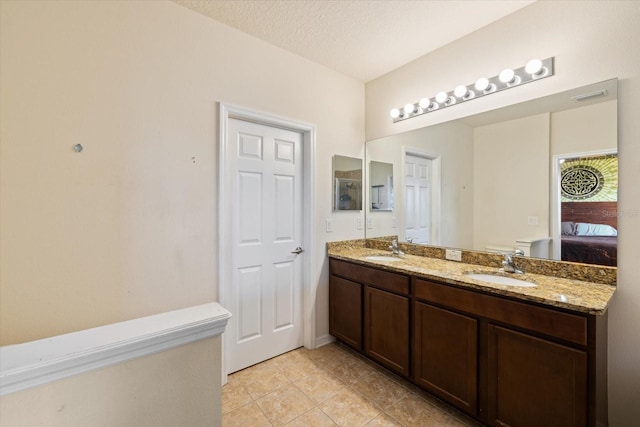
(324,340)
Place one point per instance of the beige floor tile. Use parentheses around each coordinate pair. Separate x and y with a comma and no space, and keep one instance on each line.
(384,420)
(247,415)
(261,380)
(330,386)
(379,389)
(350,370)
(414,411)
(233,396)
(319,386)
(305,352)
(297,366)
(251,371)
(349,408)
(313,418)
(328,354)
(285,404)
(283,358)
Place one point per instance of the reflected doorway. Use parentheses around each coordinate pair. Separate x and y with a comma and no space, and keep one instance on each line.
(586,206)
(422,198)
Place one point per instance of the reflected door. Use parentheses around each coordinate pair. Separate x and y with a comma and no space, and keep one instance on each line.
(266,290)
(417,197)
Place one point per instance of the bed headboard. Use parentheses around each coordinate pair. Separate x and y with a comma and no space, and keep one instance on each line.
(591,212)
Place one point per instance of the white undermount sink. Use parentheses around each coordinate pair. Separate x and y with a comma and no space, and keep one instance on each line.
(500,280)
(382,258)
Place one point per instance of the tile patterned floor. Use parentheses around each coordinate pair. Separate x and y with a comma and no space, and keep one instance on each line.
(329,386)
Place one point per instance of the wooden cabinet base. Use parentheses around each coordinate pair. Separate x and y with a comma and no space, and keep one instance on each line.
(504,361)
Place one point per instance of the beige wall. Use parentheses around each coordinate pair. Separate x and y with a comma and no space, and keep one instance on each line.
(591,42)
(127,228)
(590,128)
(178,387)
(511,181)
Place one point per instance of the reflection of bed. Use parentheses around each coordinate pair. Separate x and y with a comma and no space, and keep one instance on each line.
(601,250)
(589,232)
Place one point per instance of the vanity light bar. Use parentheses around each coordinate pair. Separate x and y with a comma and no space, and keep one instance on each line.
(534,70)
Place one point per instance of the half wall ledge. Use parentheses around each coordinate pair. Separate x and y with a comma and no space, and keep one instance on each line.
(50,359)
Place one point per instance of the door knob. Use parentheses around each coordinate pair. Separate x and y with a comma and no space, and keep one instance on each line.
(298,250)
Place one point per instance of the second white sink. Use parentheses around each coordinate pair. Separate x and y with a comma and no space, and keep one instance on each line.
(500,280)
(382,258)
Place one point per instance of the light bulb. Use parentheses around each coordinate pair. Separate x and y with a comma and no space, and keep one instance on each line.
(460,91)
(441,97)
(507,75)
(482,84)
(534,67)
(424,103)
(395,113)
(408,109)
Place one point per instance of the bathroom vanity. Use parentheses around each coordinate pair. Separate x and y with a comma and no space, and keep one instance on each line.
(506,355)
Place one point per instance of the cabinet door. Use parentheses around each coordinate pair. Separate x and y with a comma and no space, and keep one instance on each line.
(534,382)
(345,311)
(386,325)
(446,355)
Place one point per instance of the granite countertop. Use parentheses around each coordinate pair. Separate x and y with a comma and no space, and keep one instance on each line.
(576,295)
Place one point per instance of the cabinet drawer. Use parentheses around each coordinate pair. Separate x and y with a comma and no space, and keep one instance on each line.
(371,276)
(557,324)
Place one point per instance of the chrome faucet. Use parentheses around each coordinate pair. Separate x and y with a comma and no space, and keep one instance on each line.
(508,264)
(394,247)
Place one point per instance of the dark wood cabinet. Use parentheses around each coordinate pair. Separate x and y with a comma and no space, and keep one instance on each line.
(534,382)
(446,355)
(345,311)
(501,360)
(386,329)
(369,310)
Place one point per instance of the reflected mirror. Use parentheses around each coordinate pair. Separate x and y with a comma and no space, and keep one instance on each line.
(347,183)
(381,186)
(523,177)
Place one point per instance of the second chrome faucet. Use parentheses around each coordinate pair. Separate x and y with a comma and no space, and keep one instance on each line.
(508,264)
(394,247)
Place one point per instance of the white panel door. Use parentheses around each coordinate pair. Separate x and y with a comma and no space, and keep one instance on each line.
(266,201)
(417,195)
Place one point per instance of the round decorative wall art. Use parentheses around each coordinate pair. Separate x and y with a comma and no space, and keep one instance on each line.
(590,179)
(581,182)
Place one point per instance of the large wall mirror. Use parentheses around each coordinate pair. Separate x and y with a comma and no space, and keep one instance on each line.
(347,183)
(541,176)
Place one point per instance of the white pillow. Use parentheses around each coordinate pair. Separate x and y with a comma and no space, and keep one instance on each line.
(568,228)
(586,229)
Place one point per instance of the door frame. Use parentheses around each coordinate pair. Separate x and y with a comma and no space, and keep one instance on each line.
(308,131)
(436,189)
(556,195)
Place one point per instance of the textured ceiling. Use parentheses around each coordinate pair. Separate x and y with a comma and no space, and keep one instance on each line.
(360,38)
